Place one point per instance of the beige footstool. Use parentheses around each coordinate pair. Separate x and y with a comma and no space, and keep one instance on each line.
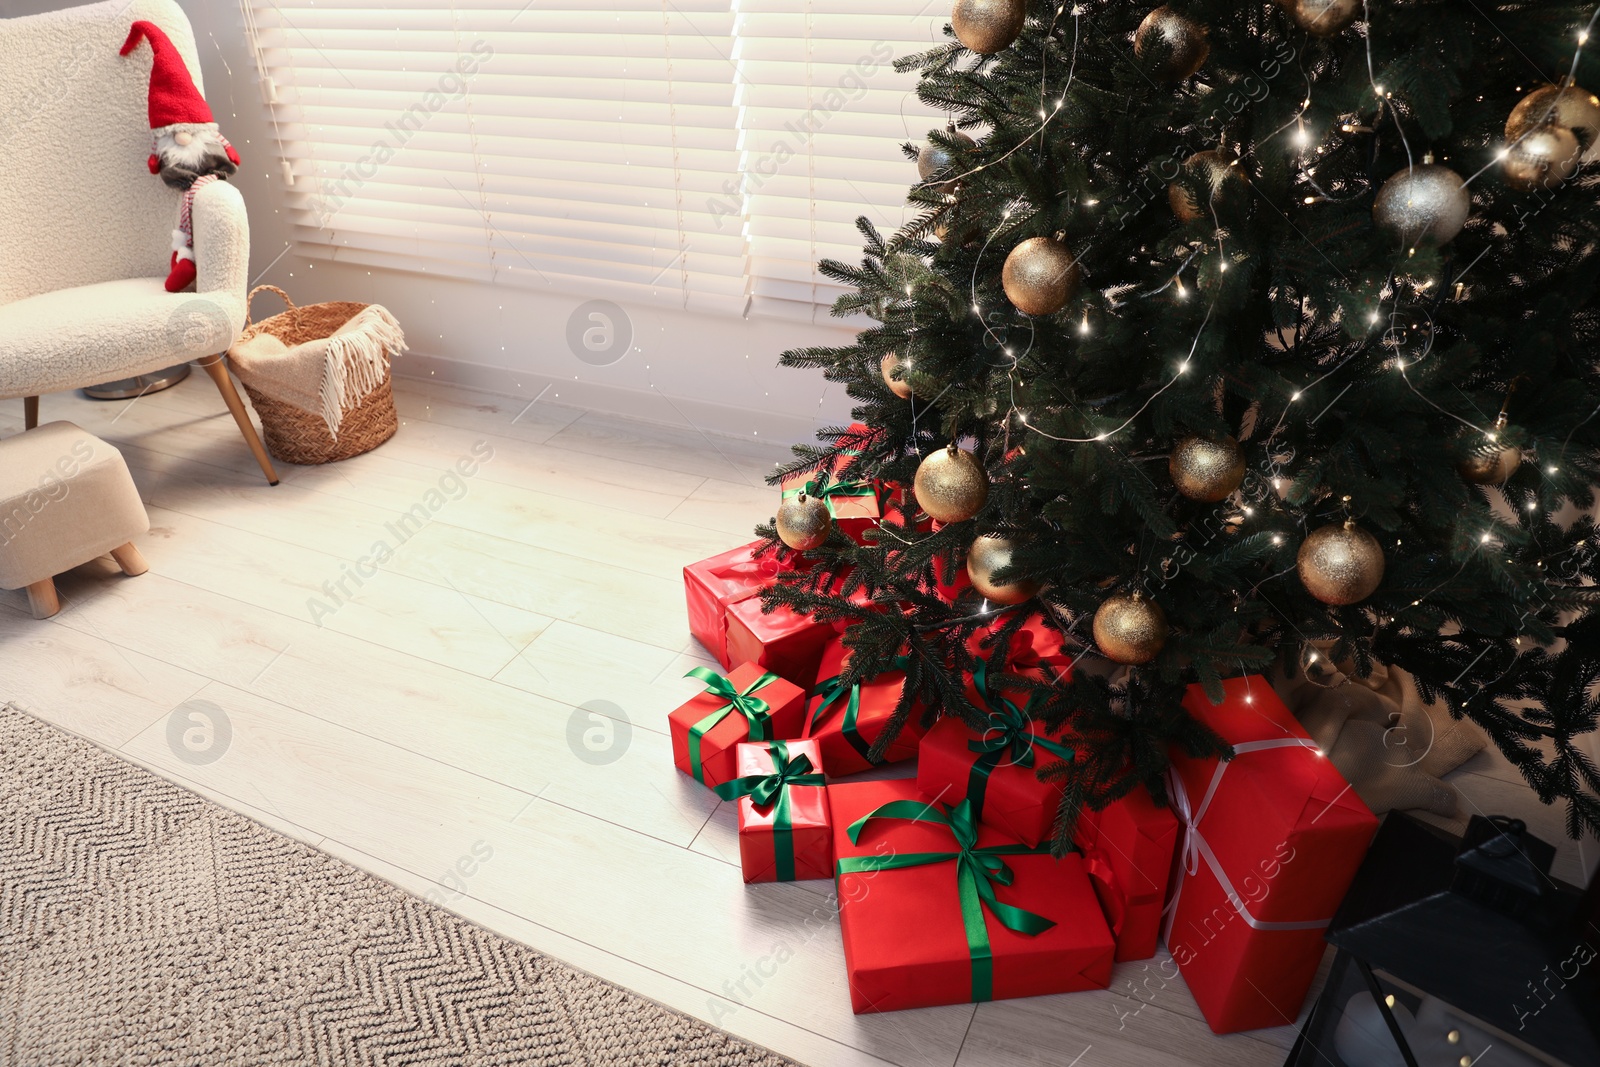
(65,498)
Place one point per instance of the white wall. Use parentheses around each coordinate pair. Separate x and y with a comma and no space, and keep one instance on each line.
(716,373)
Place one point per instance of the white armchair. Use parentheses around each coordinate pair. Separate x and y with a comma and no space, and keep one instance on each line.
(85,229)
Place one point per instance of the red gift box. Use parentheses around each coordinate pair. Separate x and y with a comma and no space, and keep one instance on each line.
(746,705)
(950,580)
(1270,842)
(846,723)
(711,585)
(783,641)
(1128,847)
(929,916)
(1036,646)
(784,832)
(853,505)
(997,770)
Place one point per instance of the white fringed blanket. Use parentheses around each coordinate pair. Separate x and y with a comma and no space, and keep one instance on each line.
(327,376)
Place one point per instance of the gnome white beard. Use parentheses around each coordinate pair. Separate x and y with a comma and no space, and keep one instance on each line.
(181,164)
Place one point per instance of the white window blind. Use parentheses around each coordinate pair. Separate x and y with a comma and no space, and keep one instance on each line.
(702,153)
(822,115)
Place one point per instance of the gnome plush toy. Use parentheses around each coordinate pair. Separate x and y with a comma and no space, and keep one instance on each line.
(188,149)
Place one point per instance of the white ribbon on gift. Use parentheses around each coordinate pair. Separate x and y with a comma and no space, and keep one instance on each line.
(1195,846)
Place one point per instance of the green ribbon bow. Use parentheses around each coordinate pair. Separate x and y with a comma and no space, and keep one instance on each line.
(753,708)
(824,488)
(978,870)
(1008,736)
(830,690)
(767,790)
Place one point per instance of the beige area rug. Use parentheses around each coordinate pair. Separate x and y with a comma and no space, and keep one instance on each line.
(142,924)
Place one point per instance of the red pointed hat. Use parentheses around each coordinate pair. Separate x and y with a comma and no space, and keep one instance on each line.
(174,100)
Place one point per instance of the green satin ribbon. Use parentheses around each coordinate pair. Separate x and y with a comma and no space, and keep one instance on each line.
(1008,735)
(978,870)
(753,708)
(830,690)
(767,790)
(825,489)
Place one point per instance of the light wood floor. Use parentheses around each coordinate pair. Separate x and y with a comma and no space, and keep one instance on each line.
(423,728)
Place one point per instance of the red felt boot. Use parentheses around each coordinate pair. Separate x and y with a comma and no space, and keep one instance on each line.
(182,275)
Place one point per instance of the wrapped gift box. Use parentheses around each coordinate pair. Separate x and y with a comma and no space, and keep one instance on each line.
(1273,838)
(783,641)
(917,907)
(784,832)
(846,723)
(853,505)
(1036,647)
(998,769)
(747,704)
(1128,847)
(712,585)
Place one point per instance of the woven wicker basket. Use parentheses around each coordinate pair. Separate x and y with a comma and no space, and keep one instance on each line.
(297,436)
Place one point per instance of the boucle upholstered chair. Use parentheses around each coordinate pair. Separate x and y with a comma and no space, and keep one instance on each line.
(86,229)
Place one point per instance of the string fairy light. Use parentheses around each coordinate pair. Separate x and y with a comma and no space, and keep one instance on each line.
(1181,370)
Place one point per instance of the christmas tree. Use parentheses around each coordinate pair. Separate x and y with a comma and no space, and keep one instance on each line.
(1228,336)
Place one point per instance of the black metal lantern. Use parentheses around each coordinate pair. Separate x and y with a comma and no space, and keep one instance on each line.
(1459,952)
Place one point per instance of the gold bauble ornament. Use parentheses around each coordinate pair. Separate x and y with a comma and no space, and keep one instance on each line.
(1341,564)
(1322,18)
(933,158)
(1206,469)
(1426,203)
(803,522)
(898,386)
(1040,276)
(1181,42)
(987,554)
(1130,629)
(1211,170)
(988,26)
(1542,158)
(1491,463)
(1570,107)
(951,486)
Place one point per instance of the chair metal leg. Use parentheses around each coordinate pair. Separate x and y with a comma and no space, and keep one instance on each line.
(130,560)
(30,413)
(214,366)
(42,598)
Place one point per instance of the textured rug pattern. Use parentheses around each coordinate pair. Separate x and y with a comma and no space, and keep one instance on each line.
(142,924)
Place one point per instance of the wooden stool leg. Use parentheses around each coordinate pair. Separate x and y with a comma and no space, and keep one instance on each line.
(214,366)
(30,413)
(42,598)
(129,559)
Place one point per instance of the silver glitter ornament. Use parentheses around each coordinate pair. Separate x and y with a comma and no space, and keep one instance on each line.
(1426,203)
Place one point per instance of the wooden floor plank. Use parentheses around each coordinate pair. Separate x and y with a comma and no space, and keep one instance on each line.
(454,689)
(84,683)
(575,874)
